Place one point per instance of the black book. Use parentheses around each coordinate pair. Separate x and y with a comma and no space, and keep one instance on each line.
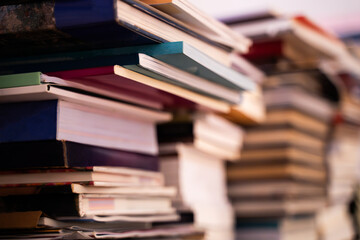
(52,153)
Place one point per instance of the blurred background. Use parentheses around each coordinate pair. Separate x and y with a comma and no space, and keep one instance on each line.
(341,17)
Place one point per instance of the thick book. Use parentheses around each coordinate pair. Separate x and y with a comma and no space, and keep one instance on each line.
(90,188)
(274,137)
(208,102)
(273,189)
(183,13)
(181,55)
(276,171)
(97,176)
(54,153)
(82,205)
(278,207)
(297,98)
(50,92)
(62,120)
(296,119)
(36,219)
(281,154)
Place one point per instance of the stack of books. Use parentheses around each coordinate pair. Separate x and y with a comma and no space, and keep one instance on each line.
(282,168)
(192,158)
(83,107)
(81,163)
(283,173)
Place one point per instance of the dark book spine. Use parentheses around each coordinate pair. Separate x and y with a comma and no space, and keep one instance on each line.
(40,154)
(28,121)
(53,205)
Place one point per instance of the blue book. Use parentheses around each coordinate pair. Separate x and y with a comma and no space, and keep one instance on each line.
(80,123)
(177,54)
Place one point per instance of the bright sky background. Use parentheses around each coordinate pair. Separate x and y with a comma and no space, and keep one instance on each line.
(341,16)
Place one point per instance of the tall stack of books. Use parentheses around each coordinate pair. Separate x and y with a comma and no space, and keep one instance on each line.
(284,169)
(193,154)
(80,163)
(83,84)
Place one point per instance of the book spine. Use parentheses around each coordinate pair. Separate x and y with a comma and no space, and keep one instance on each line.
(28,121)
(66,204)
(83,12)
(60,154)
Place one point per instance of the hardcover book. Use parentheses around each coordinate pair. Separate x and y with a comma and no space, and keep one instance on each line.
(54,153)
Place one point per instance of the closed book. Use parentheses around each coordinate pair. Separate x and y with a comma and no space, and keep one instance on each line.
(181,55)
(274,137)
(277,171)
(278,207)
(280,154)
(97,176)
(54,153)
(183,14)
(90,188)
(262,189)
(62,120)
(82,205)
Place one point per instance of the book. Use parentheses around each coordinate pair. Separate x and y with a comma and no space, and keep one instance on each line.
(299,41)
(281,154)
(296,119)
(297,98)
(65,154)
(266,189)
(48,92)
(299,27)
(208,102)
(90,188)
(35,219)
(83,205)
(62,120)
(278,207)
(279,136)
(277,171)
(181,55)
(198,21)
(226,145)
(116,176)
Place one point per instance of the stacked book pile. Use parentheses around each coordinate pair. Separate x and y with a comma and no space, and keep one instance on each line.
(83,85)
(79,163)
(192,158)
(284,169)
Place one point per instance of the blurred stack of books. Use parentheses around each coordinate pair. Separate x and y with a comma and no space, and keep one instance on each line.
(84,83)
(287,171)
(193,150)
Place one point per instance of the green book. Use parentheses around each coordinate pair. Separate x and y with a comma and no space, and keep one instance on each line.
(20,80)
